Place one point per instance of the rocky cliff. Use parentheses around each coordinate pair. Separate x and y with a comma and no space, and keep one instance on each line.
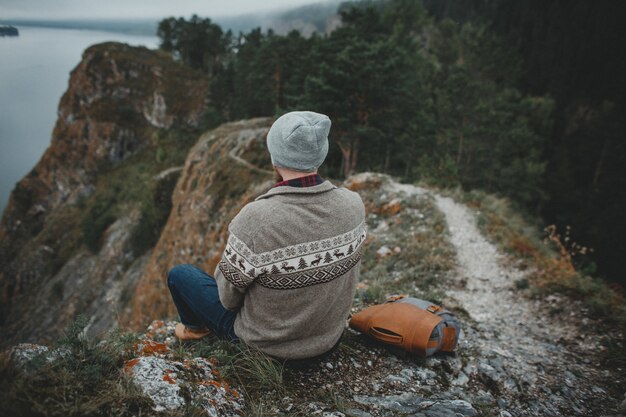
(132,185)
(517,356)
(122,103)
(226,169)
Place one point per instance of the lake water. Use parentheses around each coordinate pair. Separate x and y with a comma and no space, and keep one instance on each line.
(34,74)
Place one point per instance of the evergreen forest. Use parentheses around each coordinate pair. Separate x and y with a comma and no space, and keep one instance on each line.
(524,99)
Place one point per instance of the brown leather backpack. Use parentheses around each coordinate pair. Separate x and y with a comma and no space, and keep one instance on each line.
(414,325)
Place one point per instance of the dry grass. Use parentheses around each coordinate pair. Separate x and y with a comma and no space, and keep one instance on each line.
(421,255)
(551,258)
(85,381)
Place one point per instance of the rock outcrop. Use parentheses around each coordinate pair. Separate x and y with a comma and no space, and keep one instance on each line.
(118,100)
(169,381)
(226,169)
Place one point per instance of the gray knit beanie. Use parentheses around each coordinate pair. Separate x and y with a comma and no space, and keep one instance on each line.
(299,140)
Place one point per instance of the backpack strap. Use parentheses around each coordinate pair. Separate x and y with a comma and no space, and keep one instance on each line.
(448,342)
(393,298)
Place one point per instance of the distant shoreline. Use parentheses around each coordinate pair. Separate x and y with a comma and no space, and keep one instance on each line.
(143,27)
(9,31)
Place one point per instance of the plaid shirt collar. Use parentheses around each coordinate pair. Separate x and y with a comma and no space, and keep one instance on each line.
(306,181)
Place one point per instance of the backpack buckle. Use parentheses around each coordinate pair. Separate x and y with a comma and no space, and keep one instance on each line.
(395,297)
(433,309)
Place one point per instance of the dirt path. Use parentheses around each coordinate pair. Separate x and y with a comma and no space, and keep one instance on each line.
(520,348)
(243,138)
(534,363)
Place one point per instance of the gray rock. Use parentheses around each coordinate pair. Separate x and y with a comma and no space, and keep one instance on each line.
(426,375)
(416,406)
(355,412)
(510,384)
(24,353)
(597,390)
(396,378)
(484,397)
(162,379)
(407,373)
(488,372)
(153,376)
(570,379)
(460,380)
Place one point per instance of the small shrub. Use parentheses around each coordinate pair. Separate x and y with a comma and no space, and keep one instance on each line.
(22,196)
(95,221)
(255,370)
(522,284)
(86,380)
(155,210)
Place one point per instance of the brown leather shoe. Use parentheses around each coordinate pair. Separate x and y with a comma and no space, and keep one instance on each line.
(185,333)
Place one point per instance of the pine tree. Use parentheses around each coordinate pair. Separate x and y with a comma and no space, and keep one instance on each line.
(233,259)
(275,269)
(350,250)
(302,264)
(328,258)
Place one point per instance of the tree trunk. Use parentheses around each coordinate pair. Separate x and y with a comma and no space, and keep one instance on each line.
(600,165)
(354,154)
(350,152)
(346,153)
(278,88)
(387,159)
(459,154)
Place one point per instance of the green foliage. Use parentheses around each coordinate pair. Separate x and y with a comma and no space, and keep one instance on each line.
(83,378)
(132,184)
(155,210)
(447,92)
(268,73)
(568,51)
(254,369)
(198,42)
(97,218)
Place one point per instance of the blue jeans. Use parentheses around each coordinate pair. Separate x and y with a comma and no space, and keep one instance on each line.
(197,300)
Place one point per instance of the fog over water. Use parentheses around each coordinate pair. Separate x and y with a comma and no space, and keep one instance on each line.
(34,74)
(138,9)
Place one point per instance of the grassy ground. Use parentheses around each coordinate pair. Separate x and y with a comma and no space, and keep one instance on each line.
(90,380)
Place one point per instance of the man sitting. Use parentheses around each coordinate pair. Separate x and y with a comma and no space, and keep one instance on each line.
(287,276)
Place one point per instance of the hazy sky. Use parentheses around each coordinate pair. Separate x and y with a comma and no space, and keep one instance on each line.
(70,9)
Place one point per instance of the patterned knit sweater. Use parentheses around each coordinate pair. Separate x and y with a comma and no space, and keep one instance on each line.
(290,268)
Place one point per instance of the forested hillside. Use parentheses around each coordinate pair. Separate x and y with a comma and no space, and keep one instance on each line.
(521,99)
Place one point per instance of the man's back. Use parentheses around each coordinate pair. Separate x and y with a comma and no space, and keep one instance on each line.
(291,266)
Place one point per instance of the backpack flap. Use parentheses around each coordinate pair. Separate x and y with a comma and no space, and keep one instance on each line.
(447,332)
(400,324)
(360,320)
